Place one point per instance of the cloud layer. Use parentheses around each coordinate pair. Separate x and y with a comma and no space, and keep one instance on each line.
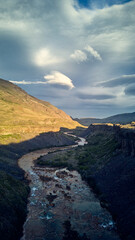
(119,81)
(92,45)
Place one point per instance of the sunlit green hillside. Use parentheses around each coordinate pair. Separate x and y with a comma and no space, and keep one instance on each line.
(23,116)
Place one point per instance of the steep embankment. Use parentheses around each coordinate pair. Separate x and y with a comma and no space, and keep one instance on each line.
(13,189)
(114,178)
(23,116)
(124,118)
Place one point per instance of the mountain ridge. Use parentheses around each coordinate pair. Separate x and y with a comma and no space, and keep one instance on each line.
(123,118)
(23,116)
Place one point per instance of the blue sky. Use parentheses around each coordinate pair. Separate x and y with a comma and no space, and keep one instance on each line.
(79,56)
(100,3)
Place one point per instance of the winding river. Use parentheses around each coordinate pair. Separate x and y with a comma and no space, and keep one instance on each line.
(61,205)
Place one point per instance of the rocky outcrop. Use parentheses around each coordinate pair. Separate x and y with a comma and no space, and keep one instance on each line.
(125,137)
(97,128)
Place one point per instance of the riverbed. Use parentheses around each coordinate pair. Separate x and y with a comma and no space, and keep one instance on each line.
(61,205)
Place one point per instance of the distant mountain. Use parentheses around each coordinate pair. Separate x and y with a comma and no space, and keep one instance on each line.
(123,118)
(87,121)
(23,116)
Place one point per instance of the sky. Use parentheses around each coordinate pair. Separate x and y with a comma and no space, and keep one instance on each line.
(77,54)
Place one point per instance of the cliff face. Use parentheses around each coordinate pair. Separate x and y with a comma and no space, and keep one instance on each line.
(115,180)
(125,137)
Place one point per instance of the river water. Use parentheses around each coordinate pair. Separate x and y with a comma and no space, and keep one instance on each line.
(61,205)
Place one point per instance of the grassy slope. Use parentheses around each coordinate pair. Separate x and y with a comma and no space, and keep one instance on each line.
(23,116)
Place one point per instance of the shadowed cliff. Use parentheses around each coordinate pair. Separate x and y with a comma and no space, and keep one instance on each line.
(13,188)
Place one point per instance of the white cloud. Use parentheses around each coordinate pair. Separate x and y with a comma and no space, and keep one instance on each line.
(23,82)
(95,90)
(59,79)
(44,57)
(79,56)
(119,81)
(93,52)
(85,54)
(55,78)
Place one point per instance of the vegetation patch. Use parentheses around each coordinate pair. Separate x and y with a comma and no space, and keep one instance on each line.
(7,138)
(13,202)
(59,159)
(86,159)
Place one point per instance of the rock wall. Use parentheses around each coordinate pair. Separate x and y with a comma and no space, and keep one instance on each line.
(125,137)
(115,181)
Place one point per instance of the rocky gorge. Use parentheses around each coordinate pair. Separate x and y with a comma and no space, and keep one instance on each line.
(61,205)
(106,163)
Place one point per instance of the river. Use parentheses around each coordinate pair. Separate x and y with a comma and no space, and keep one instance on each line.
(61,205)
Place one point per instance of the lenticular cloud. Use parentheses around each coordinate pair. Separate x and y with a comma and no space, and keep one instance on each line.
(59,79)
